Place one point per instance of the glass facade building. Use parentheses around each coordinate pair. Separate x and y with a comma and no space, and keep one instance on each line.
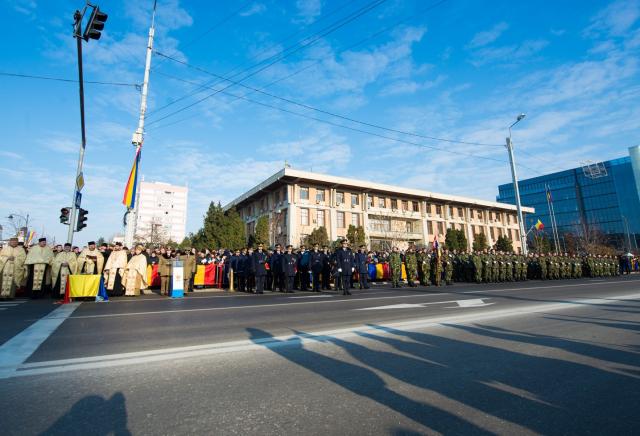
(585,203)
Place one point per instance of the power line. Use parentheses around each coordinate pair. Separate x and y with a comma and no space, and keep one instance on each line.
(343,117)
(215,82)
(432,147)
(60,79)
(283,54)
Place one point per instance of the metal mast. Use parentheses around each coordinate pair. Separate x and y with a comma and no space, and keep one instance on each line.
(138,136)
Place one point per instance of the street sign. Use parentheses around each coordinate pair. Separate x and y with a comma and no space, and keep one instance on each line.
(78,199)
(80,182)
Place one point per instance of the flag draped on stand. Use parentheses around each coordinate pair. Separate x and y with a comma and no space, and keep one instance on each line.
(129,197)
(539,225)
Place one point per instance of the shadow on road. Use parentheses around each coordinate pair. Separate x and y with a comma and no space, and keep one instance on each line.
(469,387)
(93,415)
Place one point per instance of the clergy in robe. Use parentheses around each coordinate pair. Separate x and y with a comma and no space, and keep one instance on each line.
(64,264)
(90,260)
(114,271)
(12,269)
(39,262)
(135,275)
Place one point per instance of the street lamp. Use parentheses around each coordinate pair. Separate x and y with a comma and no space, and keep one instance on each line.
(523,236)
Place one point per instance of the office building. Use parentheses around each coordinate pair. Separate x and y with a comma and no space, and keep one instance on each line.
(296,202)
(595,199)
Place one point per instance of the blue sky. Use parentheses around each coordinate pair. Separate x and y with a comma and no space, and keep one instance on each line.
(462,70)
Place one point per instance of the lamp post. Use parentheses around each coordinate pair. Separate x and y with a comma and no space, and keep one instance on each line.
(523,236)
(11,217)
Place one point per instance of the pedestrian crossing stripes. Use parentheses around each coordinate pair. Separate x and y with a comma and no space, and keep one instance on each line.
(4,305)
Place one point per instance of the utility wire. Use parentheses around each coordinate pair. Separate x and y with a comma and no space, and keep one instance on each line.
(322,111)
(60,79)
(278,57)
(215,82)
(390,138)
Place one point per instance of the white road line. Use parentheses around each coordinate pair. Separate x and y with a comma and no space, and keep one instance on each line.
(159,355)
(312,296)
(345,300)
(17,350)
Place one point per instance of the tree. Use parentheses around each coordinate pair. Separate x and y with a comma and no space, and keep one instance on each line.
(100,241)
(186,243)
(503,244)
(262,230)
(356,235)
(318,236)
(455,240)
(220,229)
(480,242)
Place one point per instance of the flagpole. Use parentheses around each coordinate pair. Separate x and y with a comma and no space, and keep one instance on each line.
(138,136)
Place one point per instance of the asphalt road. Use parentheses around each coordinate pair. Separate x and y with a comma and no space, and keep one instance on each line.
(559,357)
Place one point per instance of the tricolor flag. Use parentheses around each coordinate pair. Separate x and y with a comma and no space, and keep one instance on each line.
(539,225)
(30,237)
(435,243)
(129,197)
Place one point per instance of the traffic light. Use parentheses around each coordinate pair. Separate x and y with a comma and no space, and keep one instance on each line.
(95,24)
(64,215)
(82,219)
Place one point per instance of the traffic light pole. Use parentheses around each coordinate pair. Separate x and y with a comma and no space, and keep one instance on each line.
(72,222)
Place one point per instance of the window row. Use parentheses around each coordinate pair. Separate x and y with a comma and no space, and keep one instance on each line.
(318,217)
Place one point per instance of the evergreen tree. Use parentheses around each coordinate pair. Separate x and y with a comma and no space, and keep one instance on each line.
(262,231)
(221,229)
(455,240)
(356,235)
(480,242)
(503,244)
(318,236)
(462,241)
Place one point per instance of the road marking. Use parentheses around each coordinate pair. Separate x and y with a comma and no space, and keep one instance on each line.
(475,302)
(166,354)
(312,296)
(17,350)
(342,300)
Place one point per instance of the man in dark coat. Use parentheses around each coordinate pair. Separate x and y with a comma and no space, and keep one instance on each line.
(362,268)
(289,266)
(326,269)
(275,262)
(317,265)
(259,264)
(346,266)
(303,266)
(242,271)
(250,269)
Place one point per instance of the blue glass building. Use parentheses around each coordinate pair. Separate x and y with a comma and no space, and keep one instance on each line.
(584,204)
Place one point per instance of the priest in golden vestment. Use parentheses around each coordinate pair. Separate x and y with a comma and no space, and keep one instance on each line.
(64,264)
(135,275)
(90,260)
(12,270)
(114,271)
(39,261)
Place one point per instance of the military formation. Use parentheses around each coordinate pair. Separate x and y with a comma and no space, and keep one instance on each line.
(438,267)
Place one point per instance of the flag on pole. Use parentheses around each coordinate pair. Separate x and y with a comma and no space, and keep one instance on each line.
(32,234)
(129,197)
(539,225)
(435,243)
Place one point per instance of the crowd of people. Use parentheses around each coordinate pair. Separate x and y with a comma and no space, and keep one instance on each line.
(42,270)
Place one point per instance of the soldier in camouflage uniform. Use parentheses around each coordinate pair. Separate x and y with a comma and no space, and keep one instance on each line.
(544,271)
(411,264)
(476,266)
(447,266)
(436,267)
(486,267)
(395,264)
(426,269)
(508,267)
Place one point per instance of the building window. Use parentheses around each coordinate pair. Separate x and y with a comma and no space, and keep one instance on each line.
(304,193)
(493,235)
(416,206)
(369,201)
(339,197)
(394,204)
(438,210)
(409,225)
(430,227)
(355,220)
(379,225)
(320,195)
(340,217)
(276,197)
(320,218)
(441,228)
(304,217)
(355,200)
(405,205)
(460,213)
(479,214)
(381,202)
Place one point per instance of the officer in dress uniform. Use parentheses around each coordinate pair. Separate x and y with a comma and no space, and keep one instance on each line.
(346,266)
(259,264)
(317,264)
(289,263)
(362,268)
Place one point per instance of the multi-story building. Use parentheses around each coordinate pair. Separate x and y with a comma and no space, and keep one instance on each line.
(162,212)
(296,202)
(596,198)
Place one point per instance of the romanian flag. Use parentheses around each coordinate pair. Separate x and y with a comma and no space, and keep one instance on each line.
(435,243)
(129,197)
(30,237)
(539,225)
